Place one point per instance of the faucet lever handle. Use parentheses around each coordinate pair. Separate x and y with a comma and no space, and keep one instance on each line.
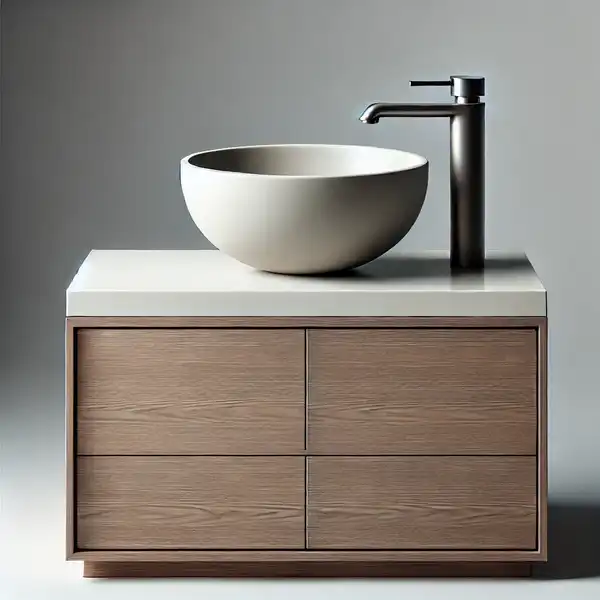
(463,87)
(417,83)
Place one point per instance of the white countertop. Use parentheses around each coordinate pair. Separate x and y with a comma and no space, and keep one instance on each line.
(207,283)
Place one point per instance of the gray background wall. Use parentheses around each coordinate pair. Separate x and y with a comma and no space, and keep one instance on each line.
(100,99)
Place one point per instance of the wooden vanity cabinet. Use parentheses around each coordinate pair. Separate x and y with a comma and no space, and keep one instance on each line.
(306,444)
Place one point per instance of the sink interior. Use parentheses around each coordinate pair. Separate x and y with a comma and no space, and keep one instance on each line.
(307,160)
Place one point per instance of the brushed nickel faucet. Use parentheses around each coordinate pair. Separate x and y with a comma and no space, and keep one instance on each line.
(467,161)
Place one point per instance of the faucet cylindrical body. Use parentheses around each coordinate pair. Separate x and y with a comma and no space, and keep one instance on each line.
(467,188)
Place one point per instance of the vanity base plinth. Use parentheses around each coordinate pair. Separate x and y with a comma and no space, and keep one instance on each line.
(303,569)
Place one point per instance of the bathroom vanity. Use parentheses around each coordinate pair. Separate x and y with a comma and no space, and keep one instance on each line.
(227,421)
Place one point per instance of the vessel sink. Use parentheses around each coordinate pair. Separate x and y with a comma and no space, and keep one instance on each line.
(304,209)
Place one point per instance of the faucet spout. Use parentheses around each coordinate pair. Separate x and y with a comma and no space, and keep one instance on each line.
(379,110)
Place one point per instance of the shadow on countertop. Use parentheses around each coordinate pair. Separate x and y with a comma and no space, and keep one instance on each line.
(573,542)
(400,267)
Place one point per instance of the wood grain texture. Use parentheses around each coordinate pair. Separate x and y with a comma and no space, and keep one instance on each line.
(435,503)
(302,322)
(70,436)
(309,556)
(190,391)
(543,439)
(422,391)
(155,503)
(303,569)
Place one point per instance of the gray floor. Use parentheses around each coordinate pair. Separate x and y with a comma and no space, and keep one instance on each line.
(66,586)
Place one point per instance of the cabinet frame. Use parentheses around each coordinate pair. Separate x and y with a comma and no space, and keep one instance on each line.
(241,558)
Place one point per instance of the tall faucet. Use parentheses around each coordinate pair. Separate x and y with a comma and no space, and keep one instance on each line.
(467,162)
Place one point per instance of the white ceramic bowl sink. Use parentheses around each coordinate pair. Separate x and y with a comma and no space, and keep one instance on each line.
(304,209)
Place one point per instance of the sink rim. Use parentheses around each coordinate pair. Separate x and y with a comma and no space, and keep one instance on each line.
(419,161)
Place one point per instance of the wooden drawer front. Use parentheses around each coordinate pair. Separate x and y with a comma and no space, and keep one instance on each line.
(190,391)
(425,503)
(152,503)
(422,391)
